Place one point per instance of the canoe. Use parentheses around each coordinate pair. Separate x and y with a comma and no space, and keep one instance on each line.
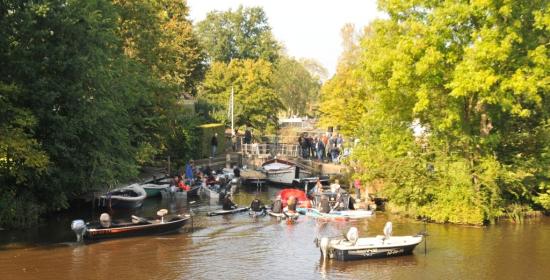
(153,190)
(225,212)
(351,247)
(141,226)
(131,196)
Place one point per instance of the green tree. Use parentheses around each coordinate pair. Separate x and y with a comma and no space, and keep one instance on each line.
(256,102)
(474,75)
(342,98)
(241,34)
(297,87)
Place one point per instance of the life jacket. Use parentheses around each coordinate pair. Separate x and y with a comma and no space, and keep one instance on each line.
(183,186)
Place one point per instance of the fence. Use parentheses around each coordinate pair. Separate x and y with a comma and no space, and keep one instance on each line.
(267,150)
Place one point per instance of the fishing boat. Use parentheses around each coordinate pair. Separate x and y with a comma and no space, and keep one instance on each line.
(225,212)
(137,227)
(351,247)
(154,190)
(131,196)
(283,171)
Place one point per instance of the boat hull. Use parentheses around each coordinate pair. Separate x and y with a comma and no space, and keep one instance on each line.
(361,254)
(131,230)
(127,197)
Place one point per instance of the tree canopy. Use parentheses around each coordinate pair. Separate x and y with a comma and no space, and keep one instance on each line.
(473,76)
(255,104)
(241,34)
(85,88)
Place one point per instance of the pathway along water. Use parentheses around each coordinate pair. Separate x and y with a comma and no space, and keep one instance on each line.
(241,247)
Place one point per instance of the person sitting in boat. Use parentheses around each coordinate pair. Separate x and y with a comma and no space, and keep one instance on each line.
(256,205)
(335,187)
(291,204)
(228,203)
(182,186)
(277,206)
(324,205)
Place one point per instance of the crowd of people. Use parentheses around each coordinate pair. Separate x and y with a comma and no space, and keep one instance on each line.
(328,146)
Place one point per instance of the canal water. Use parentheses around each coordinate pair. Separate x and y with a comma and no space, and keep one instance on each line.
(241,247)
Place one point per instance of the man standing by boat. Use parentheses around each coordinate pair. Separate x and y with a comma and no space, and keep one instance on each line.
(189,176)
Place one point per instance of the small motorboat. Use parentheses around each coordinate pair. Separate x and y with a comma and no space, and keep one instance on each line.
(351,247)
(154,190)
(131,196)
(225,212)
(284,171)
(105,229)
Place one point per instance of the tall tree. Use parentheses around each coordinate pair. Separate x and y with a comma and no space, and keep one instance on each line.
(296,86)
(342,97)
(256,103)
(241,34)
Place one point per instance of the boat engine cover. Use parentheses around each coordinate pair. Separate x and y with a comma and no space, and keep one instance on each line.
(79,227)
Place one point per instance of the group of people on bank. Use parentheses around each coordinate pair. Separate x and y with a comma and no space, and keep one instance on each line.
(326,146)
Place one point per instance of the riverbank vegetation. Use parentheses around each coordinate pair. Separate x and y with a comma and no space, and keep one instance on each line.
(92,90)
(452,107)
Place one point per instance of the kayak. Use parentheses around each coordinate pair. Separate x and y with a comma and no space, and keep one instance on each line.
(326,216)
(225,212)
(354,214)
(290,217)
(257,213)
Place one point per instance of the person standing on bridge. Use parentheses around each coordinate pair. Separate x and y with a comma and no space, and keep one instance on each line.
(214,144)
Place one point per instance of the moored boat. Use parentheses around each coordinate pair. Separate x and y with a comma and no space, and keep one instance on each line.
(131,196)
(138,227)
(352,247)
(154,190)
(283,171)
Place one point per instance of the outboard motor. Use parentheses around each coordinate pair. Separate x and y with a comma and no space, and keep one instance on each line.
(79,227)
(352,235)
(234,185)
(388,230)
(325,242)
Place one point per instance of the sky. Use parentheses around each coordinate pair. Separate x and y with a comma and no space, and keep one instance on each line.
(307,28)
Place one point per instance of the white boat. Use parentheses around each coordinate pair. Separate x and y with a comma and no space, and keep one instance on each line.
(352,247)
(283,172)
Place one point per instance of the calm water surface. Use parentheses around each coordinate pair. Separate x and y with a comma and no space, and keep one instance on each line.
(241,247)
